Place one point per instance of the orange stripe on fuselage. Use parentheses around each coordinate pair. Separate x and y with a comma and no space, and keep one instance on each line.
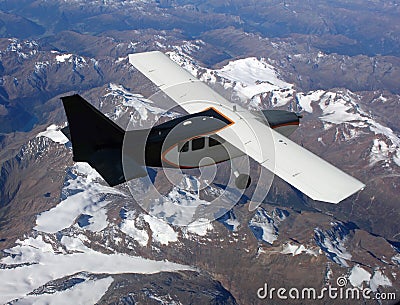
(286,124)
(197,136)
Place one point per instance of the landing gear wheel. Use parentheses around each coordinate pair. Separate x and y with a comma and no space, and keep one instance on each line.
(243,181)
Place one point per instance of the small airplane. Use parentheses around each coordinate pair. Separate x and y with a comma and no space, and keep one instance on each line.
(214,130)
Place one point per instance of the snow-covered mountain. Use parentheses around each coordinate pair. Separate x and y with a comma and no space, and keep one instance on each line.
(93,236)
(258,84)
(66,237)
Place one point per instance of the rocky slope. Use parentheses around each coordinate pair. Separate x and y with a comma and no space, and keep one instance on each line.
(293,245)
(365,34)
(58,219)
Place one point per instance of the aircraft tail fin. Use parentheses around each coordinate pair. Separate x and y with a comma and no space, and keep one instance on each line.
(95,138)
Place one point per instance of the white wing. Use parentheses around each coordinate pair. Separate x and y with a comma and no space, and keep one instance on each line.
(304,170)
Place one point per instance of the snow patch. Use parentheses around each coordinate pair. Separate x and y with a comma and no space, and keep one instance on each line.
(162,232)
(382,99)
(63,57)
(88,292)
(129,227)
(252,76)
(23,48)
(41,65)
(297,249)
(263,226)
(379,151)
(75,243)
(332,243)
(338,109)
(200,227)
(142,105)
(177,206)
(87,198)
(88,172)
(41,264)
(120,59)
(359,275)
(53,133)
(379,279)
(230,221)
(234,223)
(304,100)
(396,259)
(342,108)
(188,46)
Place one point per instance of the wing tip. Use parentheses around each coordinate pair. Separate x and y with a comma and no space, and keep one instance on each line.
(339,197)
(132,56)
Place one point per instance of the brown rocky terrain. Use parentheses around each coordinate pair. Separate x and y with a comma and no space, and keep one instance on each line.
(222,253)
(348,49)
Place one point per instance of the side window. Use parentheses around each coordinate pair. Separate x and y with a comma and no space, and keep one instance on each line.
(198,143)
(213,142)
(185,147)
